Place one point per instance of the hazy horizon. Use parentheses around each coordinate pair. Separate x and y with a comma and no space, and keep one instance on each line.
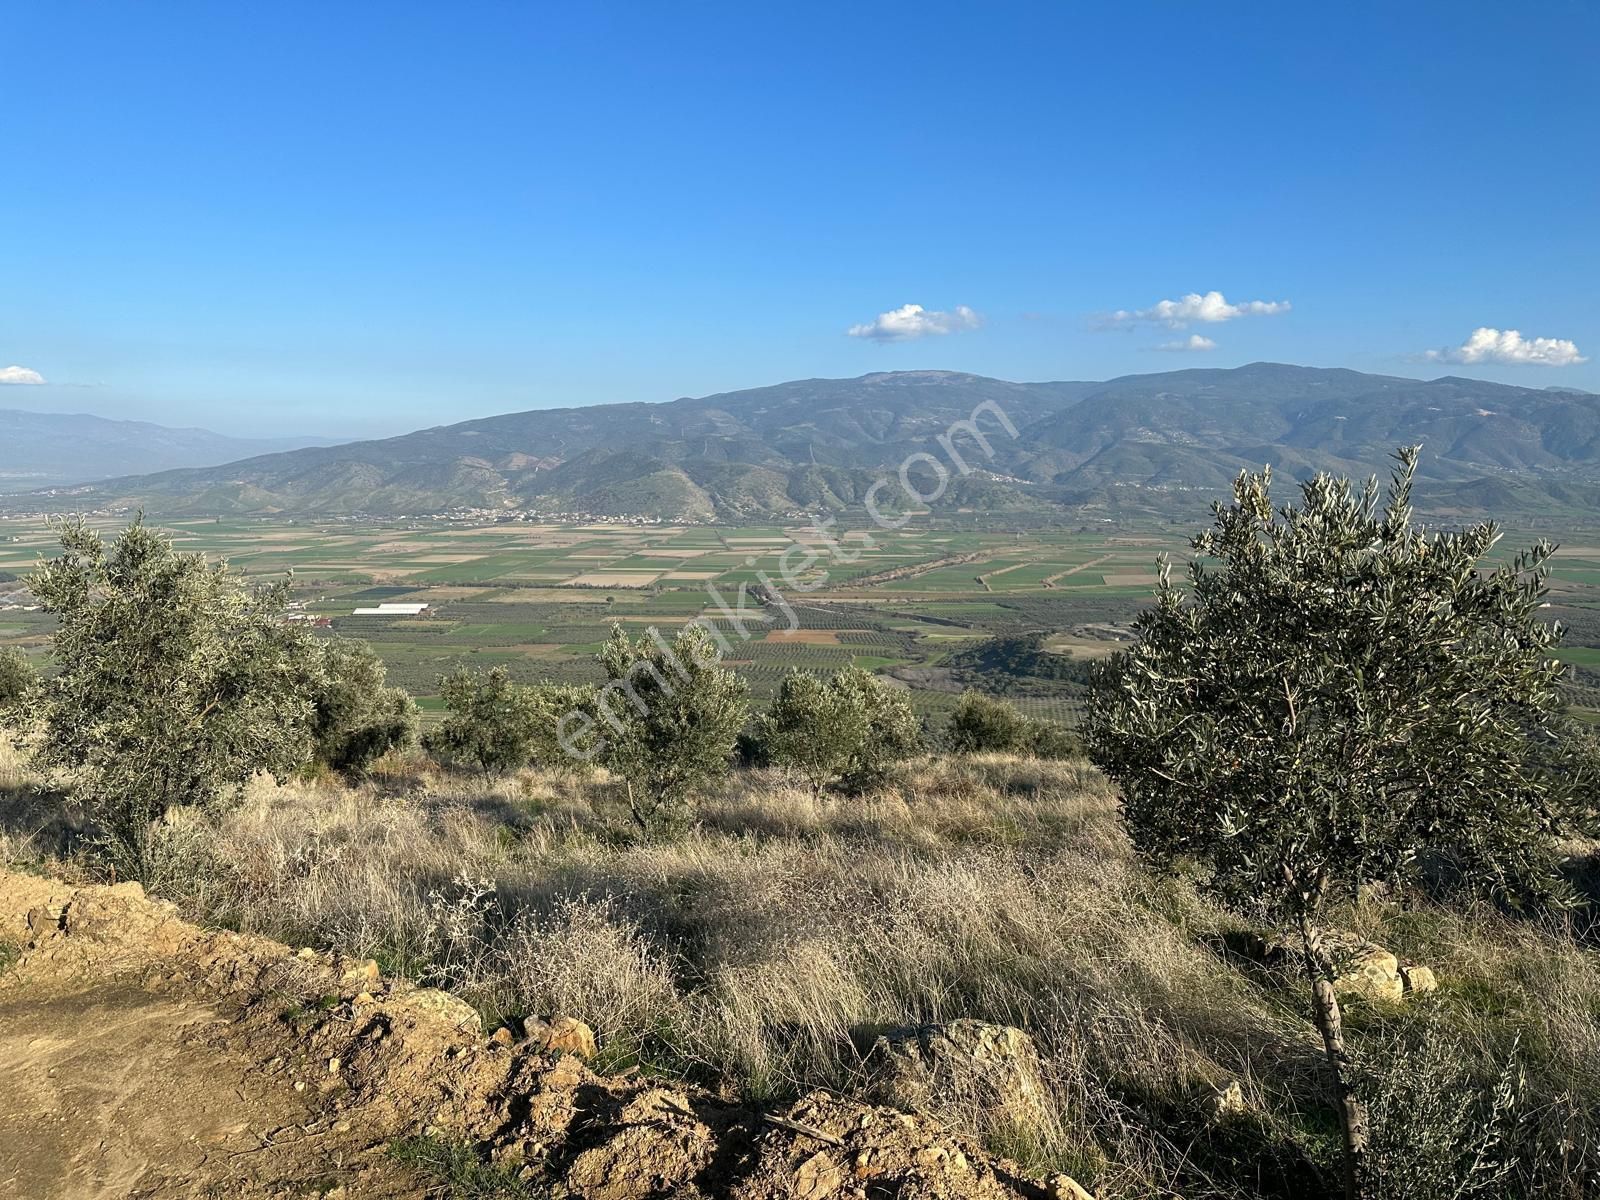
(288,228)
(398,431)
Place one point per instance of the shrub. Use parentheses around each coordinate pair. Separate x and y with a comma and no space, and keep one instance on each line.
(556,704)
(1437,1130)
(588,957)
(1344,697)
(678,726)
(984,724)
(1049,740)
(176,682)
(846,732)
(358,718)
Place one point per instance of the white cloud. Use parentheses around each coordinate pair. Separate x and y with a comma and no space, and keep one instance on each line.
(15,374)
(912,321)
(1193,344)
(1488,345)
(1209,309)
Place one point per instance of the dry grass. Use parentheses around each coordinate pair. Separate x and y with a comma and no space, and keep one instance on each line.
(14,771)
(15,844)
(766,948)
(34,825)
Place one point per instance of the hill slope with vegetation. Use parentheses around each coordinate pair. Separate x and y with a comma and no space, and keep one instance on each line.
(1133,443)
(1315,922)
(765,950)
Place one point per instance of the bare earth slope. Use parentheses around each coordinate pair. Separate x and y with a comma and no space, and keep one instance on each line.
(142,1056)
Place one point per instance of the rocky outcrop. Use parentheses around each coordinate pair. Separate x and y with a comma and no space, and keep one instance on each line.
(1362,968)
(560,1035)
(363,1059)
(1366,970)
(1418,979)
(955,1069)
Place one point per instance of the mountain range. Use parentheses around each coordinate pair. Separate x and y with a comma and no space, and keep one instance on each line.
(1136,443)
(40,450)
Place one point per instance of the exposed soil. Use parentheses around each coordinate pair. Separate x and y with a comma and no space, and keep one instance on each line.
(142,1056)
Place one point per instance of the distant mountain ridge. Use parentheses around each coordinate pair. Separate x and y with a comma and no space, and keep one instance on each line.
(1123,444)
(56,449)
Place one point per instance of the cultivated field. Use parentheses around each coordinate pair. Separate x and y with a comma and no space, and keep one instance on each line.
(539,599)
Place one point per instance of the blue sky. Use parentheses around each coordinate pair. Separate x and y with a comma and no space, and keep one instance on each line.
(361,219)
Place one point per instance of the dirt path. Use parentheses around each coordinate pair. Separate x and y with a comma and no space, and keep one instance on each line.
(117,1081)
(110,1090)
(143,1057)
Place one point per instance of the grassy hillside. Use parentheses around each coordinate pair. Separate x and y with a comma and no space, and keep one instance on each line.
(765,949)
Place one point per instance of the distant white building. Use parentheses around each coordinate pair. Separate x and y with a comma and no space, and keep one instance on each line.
(392,610)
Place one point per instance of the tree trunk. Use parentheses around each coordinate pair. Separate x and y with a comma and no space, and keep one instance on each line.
(633,809)
(1325,1009)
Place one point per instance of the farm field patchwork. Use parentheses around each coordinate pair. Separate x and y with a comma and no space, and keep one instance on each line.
(539,599)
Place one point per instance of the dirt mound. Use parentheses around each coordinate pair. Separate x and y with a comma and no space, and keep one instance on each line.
(140,1055)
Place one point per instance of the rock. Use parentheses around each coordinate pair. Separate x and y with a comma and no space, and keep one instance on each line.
(120,915)
(363,975)
(502,1037)
(1364,969)
(817,1177)
(562,1035)
(1065,1187)
(642,1162)
(943,1069)
(43,921)
(655,1104)
(1418,979)
(433,1002)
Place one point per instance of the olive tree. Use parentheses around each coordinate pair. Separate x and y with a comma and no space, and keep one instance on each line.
(1341,696)
(17,680)
(496,725)
(555,706)
(669,716)
(844,733)
(986,724)
(490,723)
(358,717)
(175,682)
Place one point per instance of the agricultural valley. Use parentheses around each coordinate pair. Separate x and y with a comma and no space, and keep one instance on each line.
(539,599)
(726,601)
